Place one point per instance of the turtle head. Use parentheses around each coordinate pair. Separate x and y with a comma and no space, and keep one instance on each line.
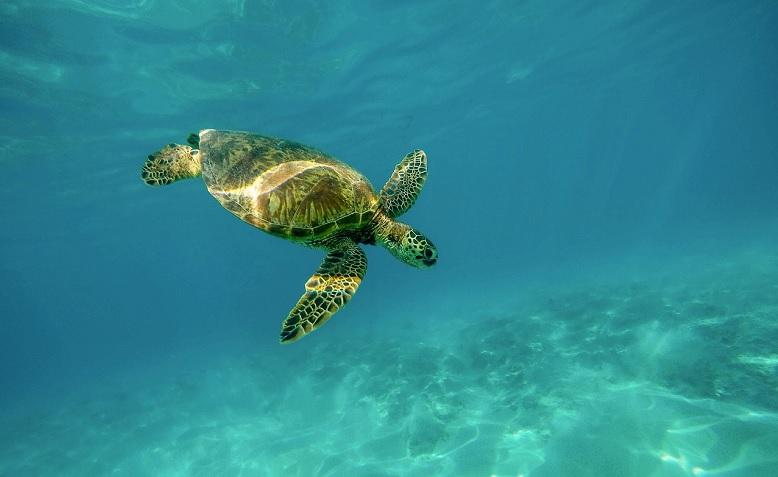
(174,162)
(408,244)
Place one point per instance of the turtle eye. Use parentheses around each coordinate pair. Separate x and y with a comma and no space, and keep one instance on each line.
(428,253)
(194,152)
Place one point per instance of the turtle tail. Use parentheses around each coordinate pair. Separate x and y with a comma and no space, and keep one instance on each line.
(174,162)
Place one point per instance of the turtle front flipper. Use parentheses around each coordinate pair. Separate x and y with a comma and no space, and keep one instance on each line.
(327,291)
(403,188)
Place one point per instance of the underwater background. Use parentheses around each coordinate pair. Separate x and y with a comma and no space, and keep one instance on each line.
(603,193)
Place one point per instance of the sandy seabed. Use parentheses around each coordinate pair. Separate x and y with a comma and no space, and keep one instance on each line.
(673,374)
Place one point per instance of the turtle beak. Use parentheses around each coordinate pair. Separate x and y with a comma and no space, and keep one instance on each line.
(430,257)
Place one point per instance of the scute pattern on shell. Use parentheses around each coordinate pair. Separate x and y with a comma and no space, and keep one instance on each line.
(285,188)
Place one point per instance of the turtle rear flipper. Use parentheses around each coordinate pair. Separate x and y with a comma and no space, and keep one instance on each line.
(403,188)
(327,291)
(174,162)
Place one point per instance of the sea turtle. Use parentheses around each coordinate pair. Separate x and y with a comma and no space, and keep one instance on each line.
(305,196)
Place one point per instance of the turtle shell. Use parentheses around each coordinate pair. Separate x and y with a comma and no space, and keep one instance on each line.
(284,188)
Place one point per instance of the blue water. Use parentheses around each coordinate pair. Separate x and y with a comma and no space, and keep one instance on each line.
(603,193)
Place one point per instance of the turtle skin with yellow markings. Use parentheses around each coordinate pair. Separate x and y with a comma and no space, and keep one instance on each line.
(303,195)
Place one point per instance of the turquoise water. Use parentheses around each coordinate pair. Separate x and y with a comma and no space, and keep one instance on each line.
(602,192)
